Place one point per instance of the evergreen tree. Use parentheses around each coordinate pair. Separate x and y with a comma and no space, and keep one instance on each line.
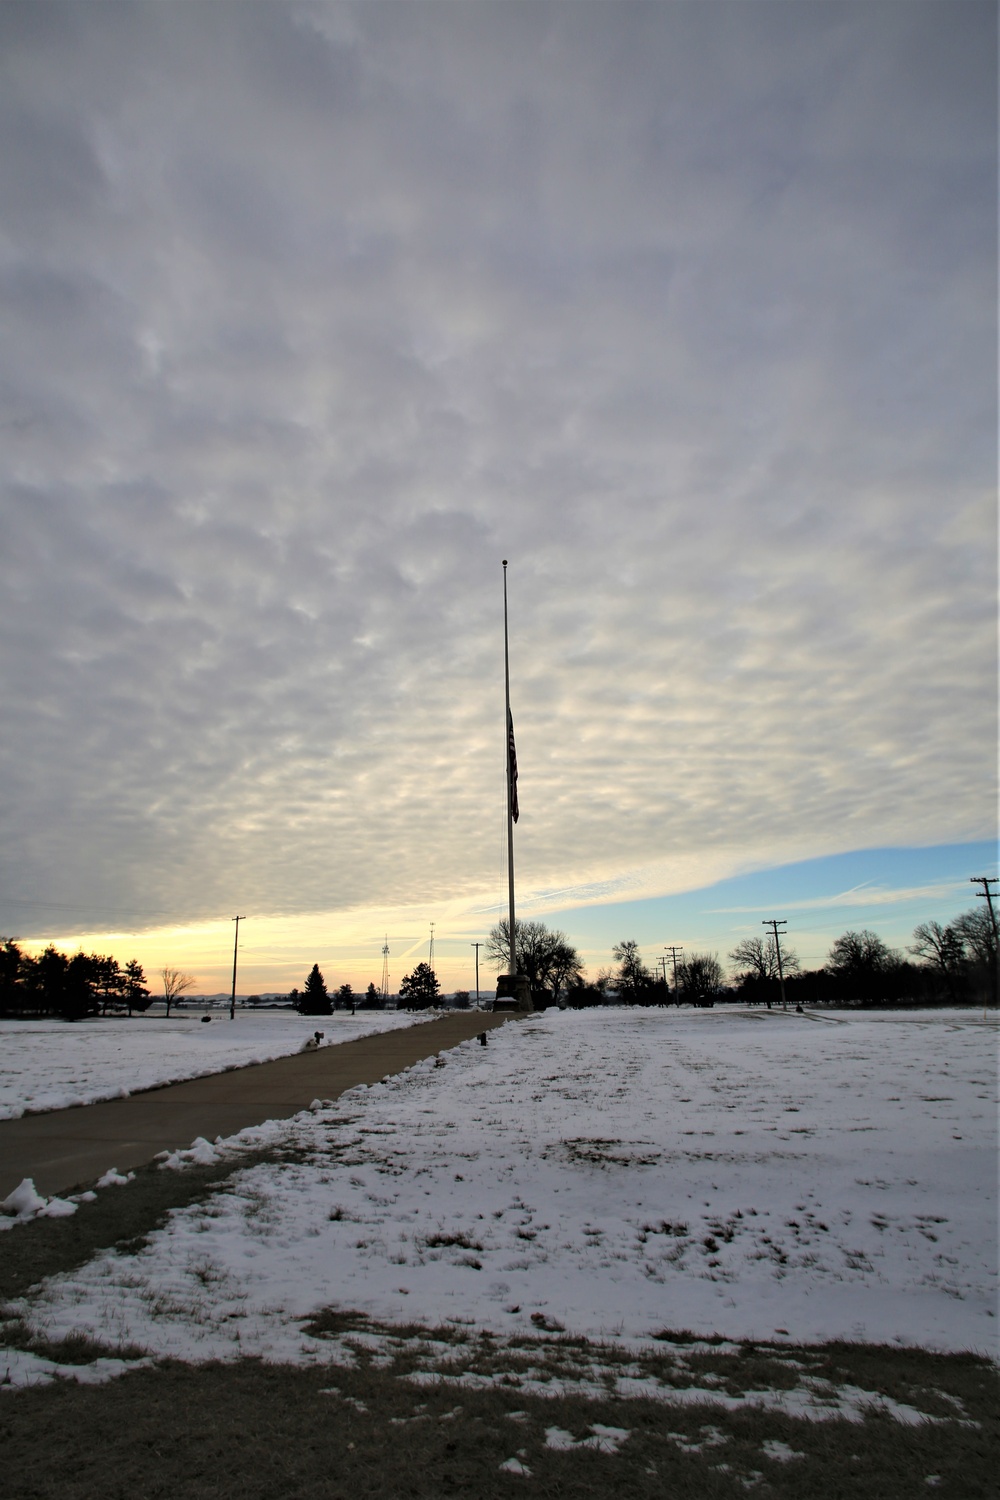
(48,980)
(345,998)
(108,981)
(136,993)
(420,989)
(12,973)
(372,1000)
(315,999)
(80,997)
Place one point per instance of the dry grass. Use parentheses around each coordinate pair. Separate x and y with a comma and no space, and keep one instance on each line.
(256,1430)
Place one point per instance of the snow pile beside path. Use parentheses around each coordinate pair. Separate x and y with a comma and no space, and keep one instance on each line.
(200,1153)
(607,1173)
(114,1178)
(25,1202)
(46,1064)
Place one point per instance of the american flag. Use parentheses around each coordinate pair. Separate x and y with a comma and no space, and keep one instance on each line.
(512,765)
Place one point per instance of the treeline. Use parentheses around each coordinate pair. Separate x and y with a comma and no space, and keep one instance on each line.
(314,999)
(421,989)
(418,991)
(697,980)
(947,965)
(70,987)
(953,964)
(554,970)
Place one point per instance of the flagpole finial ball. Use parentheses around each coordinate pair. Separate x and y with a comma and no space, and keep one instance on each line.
(505,562)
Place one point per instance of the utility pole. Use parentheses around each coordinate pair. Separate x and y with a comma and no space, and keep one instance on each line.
(477,947)
(777,945)
(986,881)
(673,950)
(232,1000)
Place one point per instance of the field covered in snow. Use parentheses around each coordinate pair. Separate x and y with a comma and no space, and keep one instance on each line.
(611,1173)
(48,1064)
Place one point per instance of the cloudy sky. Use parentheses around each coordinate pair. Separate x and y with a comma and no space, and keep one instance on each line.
(312,313)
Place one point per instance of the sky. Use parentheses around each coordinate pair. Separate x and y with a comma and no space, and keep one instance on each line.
(313,313)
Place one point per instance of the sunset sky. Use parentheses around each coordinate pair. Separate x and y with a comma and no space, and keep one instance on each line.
(312,313)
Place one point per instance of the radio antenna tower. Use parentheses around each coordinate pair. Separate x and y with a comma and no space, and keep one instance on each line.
(430,955)
(385,969)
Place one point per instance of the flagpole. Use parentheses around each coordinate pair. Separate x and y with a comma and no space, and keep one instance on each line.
(508,733)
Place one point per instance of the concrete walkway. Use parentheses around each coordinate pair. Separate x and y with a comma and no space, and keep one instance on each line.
(69,1148)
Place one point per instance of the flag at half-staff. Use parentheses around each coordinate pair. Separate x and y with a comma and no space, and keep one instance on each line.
(512,768)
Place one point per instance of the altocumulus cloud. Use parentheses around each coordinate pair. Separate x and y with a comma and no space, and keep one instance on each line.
(314,312)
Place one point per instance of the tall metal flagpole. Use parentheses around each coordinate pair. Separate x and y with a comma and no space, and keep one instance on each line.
(510,784)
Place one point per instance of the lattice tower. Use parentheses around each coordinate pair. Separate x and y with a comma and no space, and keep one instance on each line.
(385,969)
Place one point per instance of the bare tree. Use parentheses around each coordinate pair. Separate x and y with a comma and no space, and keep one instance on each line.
(174,984)
(864,966)
(633,977)
(565,968)
(975,930)
(700,978)
(758,958)
(545,956)
(941,948)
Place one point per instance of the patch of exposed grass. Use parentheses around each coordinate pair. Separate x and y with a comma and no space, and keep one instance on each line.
(447,1241)
(931,1382)
(74,1349)
(954,1389)
(119,1216)
(333,1322)
(256,1430)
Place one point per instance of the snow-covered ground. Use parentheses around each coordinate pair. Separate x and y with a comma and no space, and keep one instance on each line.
(613,1173)
(48,1064)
